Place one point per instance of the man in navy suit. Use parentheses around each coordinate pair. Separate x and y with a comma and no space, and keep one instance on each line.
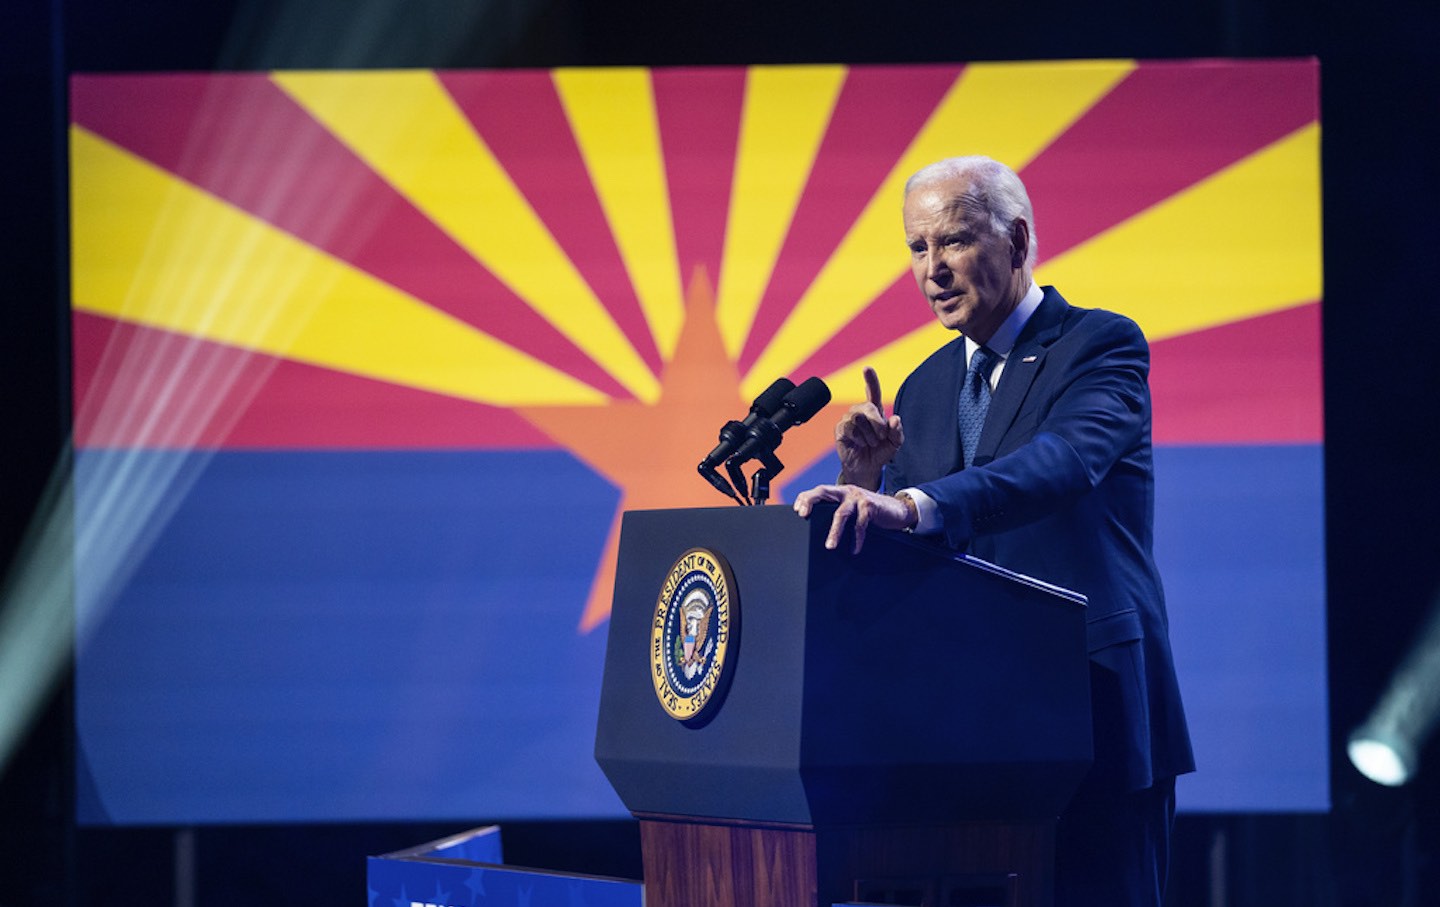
(1026,442)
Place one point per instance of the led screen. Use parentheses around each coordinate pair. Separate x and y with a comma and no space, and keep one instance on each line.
(368,365)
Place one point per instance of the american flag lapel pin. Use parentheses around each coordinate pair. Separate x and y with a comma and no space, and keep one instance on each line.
(1029,358)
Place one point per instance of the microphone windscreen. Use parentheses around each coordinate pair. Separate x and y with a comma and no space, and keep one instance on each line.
(808,399)
(773,397)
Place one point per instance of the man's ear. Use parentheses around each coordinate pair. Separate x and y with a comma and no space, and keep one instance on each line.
(1019,243)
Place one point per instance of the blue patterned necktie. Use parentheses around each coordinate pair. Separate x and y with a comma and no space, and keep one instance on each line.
(975,401)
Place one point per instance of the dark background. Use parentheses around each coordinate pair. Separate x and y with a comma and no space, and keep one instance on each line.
(1380,100)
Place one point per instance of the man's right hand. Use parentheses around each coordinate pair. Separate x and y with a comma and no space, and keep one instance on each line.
(865,439)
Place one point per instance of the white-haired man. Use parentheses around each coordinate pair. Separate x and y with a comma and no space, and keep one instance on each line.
(1026,441)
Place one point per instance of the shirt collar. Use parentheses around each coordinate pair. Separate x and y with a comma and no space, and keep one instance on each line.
(1004,338)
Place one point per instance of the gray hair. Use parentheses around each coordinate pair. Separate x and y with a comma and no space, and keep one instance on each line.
(992,185)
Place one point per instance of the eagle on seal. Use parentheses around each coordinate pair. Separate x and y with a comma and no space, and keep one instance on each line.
(695,613)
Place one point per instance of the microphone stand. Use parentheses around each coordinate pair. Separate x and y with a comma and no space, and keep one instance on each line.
(760,481)
(760,486)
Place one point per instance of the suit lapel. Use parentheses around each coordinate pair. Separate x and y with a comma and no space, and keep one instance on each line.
(1021,367)
(946,415)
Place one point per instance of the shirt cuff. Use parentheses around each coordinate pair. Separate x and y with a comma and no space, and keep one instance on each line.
(930,520)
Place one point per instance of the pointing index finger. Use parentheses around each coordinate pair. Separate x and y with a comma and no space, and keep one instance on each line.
(872,390)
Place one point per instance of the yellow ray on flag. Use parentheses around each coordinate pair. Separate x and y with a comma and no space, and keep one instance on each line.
(612,114)
(1244,242)
(892,362)
(787,110)
(406,127)
(1008,111)
(152,249)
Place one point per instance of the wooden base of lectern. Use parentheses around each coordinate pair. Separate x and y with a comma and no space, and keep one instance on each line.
(689,863)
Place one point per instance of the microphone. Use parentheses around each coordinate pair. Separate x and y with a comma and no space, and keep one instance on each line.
(733,433)
(765,434)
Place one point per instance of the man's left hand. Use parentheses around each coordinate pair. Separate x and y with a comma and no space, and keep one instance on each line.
(867,508)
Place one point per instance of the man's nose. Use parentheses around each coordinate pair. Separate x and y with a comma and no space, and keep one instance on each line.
(935,264)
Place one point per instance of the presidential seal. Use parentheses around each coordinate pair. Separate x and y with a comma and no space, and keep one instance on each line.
(696,620)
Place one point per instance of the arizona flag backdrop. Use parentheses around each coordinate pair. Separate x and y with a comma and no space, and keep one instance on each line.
(368,365)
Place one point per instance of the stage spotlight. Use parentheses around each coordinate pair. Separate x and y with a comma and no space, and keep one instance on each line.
(1386,747)
(1383,758)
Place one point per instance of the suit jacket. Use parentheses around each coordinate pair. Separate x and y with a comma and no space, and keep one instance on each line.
(1062,489)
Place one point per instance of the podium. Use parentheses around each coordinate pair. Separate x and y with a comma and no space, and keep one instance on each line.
(899,726)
